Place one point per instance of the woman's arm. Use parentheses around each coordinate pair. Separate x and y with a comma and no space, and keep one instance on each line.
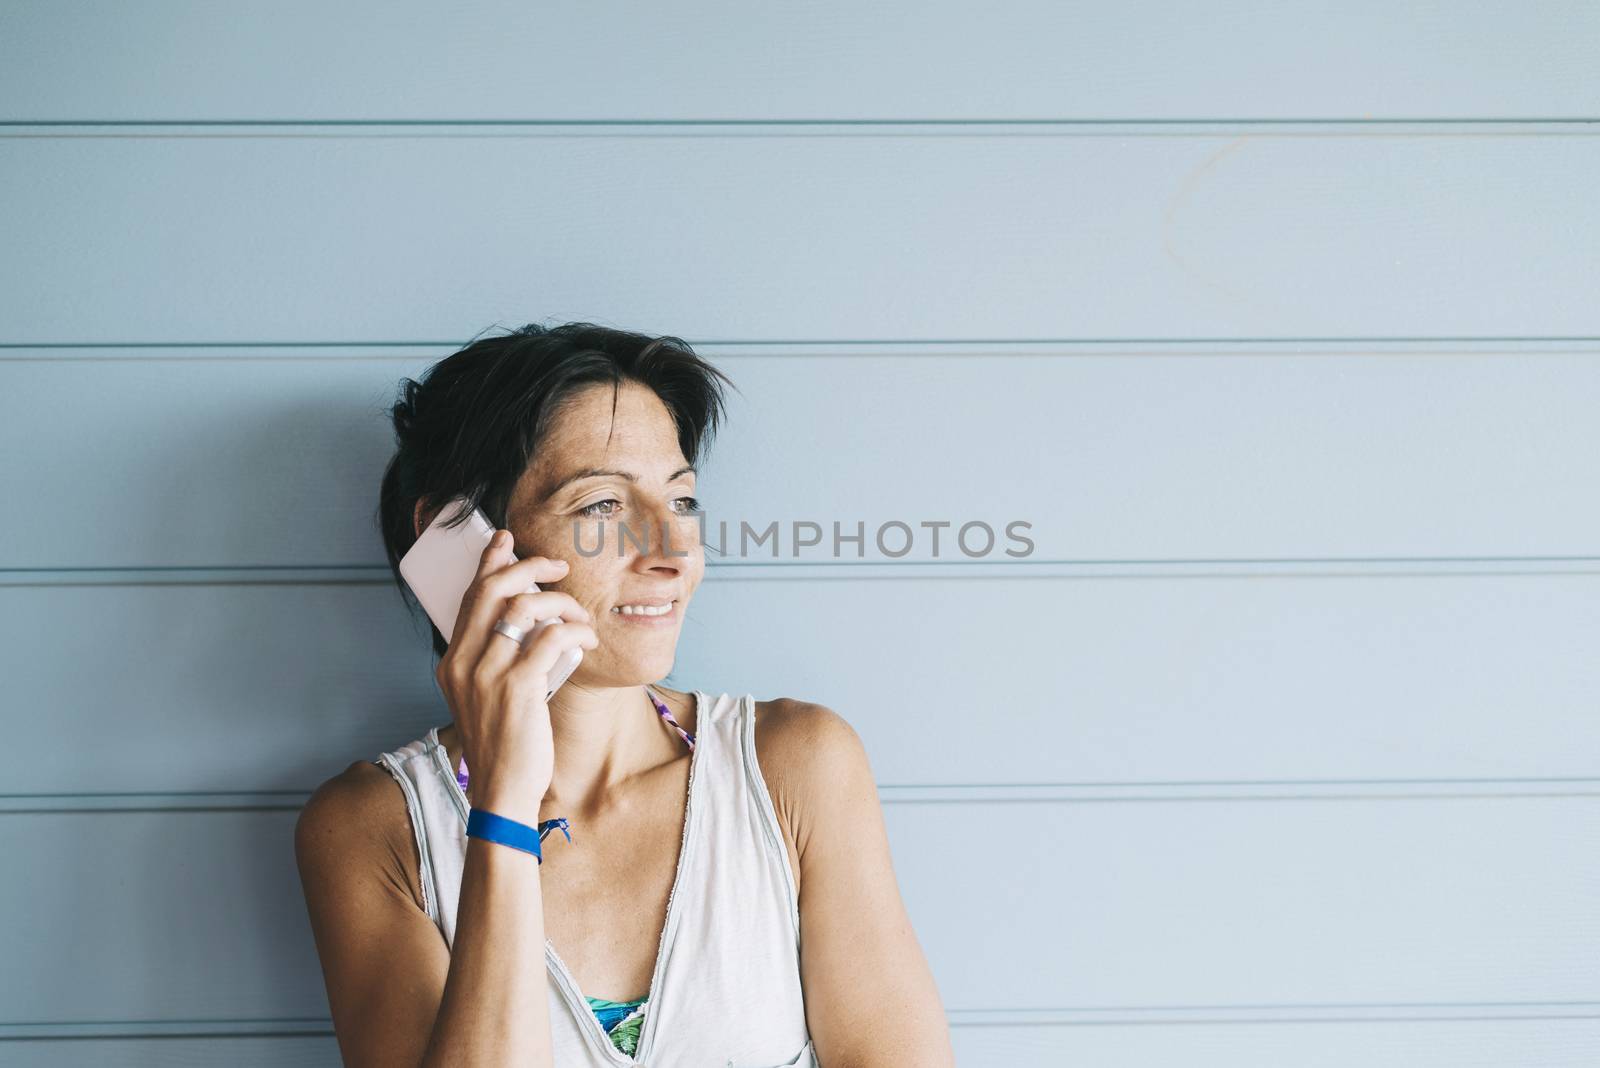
(398,994)
(864,975)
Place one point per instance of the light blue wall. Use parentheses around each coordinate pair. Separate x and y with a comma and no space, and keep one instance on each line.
(1277,322)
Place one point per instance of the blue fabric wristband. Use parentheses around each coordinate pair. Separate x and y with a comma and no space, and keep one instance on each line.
(482,823)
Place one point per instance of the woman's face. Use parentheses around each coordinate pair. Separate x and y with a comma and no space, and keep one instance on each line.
(560,506)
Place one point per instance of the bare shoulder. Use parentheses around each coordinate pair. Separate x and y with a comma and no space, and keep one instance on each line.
(802,748)
(796,730)
(360,815)
(360,790)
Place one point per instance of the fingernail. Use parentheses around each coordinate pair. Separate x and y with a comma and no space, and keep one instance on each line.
(499,537)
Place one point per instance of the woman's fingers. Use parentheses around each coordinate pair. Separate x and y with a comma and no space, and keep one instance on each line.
(527,610)
(484,599)
(541,653)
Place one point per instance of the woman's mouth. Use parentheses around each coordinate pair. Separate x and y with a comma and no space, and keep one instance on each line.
(648,613)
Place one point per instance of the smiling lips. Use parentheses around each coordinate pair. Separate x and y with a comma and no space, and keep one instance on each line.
(647,610)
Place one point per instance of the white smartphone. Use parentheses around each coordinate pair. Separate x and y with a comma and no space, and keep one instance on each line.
(443,563)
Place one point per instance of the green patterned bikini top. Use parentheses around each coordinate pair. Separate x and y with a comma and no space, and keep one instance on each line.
(620,1020)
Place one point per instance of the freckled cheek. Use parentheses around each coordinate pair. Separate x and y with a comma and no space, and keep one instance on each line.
(582,589)
(588,585)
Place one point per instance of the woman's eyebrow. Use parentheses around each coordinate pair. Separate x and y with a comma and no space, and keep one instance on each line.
(597,472)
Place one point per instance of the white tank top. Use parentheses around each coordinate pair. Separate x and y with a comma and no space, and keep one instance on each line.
(725,991)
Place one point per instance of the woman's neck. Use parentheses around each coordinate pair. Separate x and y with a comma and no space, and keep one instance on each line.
(604,740)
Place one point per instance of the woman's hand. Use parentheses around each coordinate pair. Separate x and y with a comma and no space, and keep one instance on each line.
(496,688)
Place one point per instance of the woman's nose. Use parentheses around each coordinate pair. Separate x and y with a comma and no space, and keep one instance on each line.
(671,535)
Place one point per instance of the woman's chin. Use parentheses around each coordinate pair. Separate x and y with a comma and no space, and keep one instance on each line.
(638,670)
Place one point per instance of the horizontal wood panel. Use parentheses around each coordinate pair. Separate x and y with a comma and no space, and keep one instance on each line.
(1530,1043)
(262,687)
(292,1051)
(1314,903)
(239,459)
(1021,59)
(813,234)
(1570,1043)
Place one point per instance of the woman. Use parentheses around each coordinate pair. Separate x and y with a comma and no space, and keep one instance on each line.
(720,892)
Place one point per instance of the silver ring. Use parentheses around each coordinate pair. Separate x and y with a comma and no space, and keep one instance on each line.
(510,630)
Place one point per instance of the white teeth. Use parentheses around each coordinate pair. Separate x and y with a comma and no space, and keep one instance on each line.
(643,610)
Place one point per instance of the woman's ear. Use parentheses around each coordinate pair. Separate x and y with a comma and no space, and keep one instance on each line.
(419,520)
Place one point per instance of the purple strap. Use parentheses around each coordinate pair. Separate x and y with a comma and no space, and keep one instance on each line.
(666,715)
(546,826)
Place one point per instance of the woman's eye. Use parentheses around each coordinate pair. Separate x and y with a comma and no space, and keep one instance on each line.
(597,510)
